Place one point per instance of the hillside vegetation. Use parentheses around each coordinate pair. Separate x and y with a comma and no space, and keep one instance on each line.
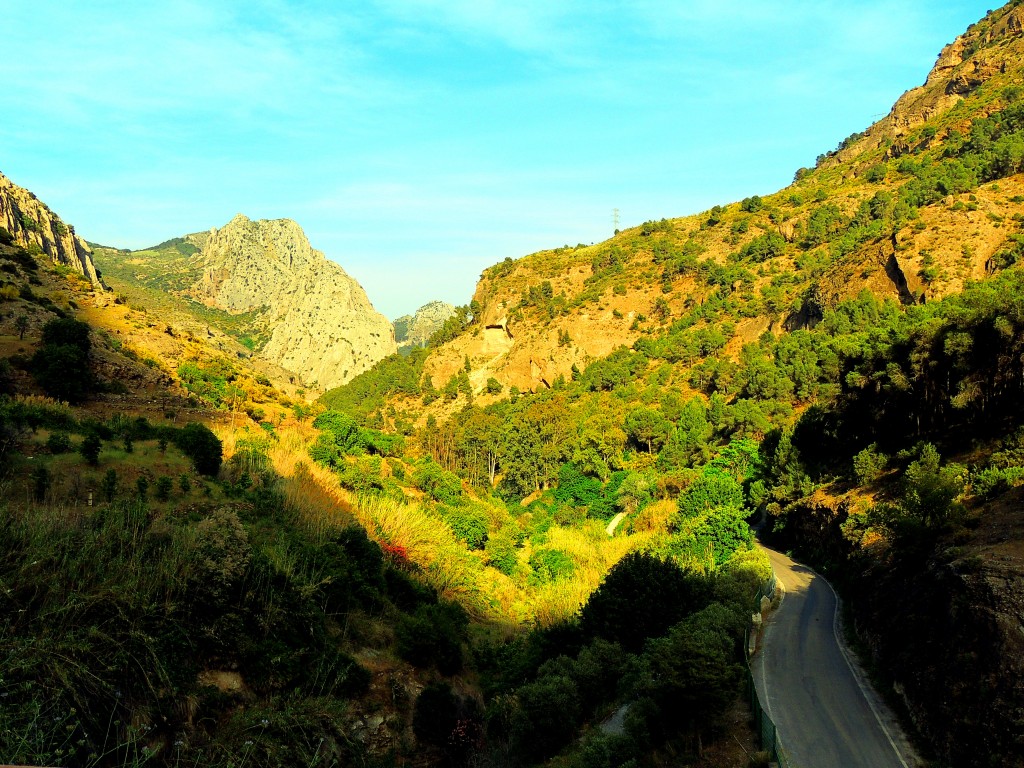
(528,542)
(840,358)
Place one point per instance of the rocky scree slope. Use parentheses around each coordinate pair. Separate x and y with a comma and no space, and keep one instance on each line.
(987,50)
(34,225)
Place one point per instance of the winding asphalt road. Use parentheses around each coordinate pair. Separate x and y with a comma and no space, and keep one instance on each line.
(825,710)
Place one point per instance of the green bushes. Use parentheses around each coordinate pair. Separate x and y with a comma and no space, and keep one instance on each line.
(58,442)
(199,443)
(709,492)
(679,669)
(438,483)
(368,391)
(551,565)
(502,554)
(468,525)
(869,464)
(211,381)
(94,595)
(641,597)
(351,570)
(61,364)
(448,722)
(432,636)
(108,487)
(692,675)
(341,436)
(991,482)
(90,448)
(548,715)
(927,502)
(764,247)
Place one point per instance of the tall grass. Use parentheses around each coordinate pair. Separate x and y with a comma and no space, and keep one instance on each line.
(427,546)
(594,553)
(83,593)
(310,491)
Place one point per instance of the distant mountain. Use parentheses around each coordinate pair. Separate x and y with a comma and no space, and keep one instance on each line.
(267,286)
(35,227)
(414,330)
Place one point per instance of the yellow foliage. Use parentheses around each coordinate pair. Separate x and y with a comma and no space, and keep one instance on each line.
(753,562)
(654,517)
(435,555)
(42,401)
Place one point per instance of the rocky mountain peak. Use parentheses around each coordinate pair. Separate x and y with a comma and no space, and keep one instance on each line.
(34,225)
(987,48)
(321,322)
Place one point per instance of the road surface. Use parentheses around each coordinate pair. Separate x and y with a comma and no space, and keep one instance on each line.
(825,710)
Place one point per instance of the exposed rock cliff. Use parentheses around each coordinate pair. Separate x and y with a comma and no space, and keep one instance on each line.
(415,330)
(33,224)
(988,48)
(320,322)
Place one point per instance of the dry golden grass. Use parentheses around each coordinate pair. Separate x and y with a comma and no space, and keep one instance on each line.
(655,517)
(309,490)
(433,553)
(594,554)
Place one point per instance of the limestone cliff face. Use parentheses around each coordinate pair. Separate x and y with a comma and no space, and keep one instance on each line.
(321,324)
(33,224)
(415,330)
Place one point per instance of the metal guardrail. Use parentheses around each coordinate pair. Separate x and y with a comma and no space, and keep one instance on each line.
(767,732)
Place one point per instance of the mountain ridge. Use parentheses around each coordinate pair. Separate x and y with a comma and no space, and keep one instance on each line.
(296,308)
(592,299)
(416,329)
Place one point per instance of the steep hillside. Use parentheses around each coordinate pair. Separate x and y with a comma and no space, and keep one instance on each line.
(37,228)
(182,587)
(263,283)
(185,587)
(887,212)
(553,496)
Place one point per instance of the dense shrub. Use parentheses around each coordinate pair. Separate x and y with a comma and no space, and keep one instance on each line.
(468,525)
(551,565)
(199,443)
(548,714)
(432,636)
(692,675)
(641,597)
(448,722)
(90,448)
(61,364)
(58,442)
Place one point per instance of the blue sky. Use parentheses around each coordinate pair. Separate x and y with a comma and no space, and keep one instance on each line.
(419,141)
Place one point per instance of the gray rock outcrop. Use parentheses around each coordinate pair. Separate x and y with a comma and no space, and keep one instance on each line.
(34,225)
(321,324)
